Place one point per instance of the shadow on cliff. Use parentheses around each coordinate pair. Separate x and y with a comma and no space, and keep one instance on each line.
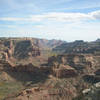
(91,78)
(28,73)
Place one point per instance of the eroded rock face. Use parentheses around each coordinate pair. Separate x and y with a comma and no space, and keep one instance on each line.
(70,59)
(18,49)
(63,71)
(71,65)
(25,49)
(77,61)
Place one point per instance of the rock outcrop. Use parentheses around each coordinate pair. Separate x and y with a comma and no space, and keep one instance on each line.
(78,62)
(63,71)
(19,49)
(92,93)
(26,48)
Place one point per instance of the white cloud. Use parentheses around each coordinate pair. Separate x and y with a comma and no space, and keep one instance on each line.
(96,14)
(54,16)
(62,16)
(68,16)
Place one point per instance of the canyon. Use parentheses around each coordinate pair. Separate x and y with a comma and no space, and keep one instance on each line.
(49,69)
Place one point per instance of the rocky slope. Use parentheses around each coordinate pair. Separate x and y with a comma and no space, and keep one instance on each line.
(92,93)
(64,77)
(43,43)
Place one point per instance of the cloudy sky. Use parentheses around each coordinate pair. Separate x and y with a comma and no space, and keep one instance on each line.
(51,19)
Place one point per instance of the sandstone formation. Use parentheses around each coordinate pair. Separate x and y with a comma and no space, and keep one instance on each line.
(26,48)
(64,71)
(19,49)
(81,63)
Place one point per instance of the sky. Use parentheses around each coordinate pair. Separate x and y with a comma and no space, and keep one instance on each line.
(67,20)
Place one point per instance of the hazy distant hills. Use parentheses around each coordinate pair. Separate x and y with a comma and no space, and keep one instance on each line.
(43,43)
(79,46)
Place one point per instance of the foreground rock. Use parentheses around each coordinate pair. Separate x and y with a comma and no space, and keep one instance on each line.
(45,93)
(93,93)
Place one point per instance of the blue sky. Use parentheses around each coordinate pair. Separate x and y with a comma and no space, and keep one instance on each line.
(51,19)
